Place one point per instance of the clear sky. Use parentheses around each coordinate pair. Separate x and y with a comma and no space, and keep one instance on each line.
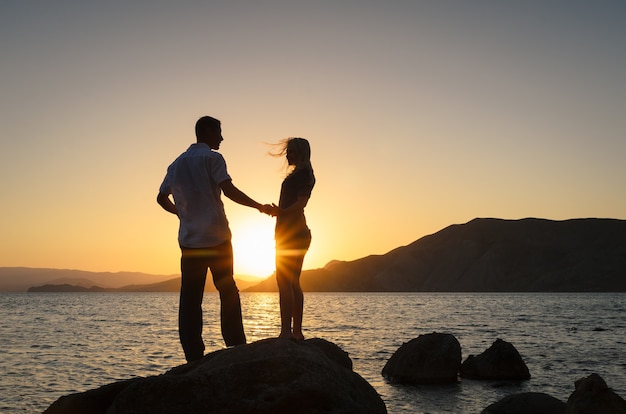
(420,114)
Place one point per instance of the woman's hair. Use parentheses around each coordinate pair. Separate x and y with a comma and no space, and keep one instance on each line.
(300,148)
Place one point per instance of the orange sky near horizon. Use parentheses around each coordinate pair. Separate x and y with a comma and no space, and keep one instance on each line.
(420,115)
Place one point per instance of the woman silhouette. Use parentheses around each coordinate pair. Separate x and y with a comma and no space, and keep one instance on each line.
(292,235)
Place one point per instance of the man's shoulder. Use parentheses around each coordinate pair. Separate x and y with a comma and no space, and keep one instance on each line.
(201,149)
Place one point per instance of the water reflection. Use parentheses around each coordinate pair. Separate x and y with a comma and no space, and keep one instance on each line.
(261,315)
(54,344)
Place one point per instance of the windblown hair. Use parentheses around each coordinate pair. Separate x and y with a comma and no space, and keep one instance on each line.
(301,148)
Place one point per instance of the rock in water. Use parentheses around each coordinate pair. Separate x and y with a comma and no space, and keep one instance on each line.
(271,376)
(593,396)
(527,403)
(428,359)
(500,362)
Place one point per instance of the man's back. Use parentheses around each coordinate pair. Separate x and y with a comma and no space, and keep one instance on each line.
(194,180)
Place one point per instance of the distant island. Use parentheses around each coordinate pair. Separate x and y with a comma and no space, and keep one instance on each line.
(170,285)
(22,279)
(66,288)
(483,255)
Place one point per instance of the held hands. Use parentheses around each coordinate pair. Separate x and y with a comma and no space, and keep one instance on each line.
(270,209)
(266,209)
(276,211)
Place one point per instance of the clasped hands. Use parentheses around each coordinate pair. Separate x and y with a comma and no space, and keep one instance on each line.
(270,209)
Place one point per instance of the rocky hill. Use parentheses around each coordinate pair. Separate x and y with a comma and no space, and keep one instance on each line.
(489,255)
(483,255)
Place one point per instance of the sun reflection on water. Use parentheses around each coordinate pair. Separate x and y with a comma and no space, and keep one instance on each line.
(261,315)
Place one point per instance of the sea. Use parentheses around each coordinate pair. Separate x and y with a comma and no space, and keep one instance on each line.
(54,344)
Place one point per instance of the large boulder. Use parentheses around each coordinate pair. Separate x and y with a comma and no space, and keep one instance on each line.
(428,359)
(269,376)
(526,403)
(500,362)
(593,396)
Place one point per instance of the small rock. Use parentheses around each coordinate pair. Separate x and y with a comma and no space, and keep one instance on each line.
(593,396)
(500,362)
(428,359)
(527,403)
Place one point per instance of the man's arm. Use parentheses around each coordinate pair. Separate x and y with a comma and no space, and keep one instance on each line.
(235,194)
(167,204)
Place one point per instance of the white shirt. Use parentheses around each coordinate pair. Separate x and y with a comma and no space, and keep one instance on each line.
(193,180)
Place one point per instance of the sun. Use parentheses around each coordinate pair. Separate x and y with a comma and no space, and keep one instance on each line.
(253,247)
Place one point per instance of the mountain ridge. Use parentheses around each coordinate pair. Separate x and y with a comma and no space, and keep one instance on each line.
(482,255)
(170,285)
(489,255)
(21,279)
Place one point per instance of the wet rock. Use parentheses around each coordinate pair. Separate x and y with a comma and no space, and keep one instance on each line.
(593,396)
(500,362)
(428,359)
(93,401)
(526,403)
(269,376)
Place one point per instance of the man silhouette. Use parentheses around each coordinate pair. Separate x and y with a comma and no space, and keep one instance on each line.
(195,181)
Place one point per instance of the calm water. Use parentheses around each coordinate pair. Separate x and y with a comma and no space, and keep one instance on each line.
(56,344)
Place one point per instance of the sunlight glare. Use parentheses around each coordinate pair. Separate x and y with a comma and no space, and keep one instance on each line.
(253,248)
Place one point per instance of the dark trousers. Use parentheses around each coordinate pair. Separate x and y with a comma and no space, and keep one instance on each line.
(194,264)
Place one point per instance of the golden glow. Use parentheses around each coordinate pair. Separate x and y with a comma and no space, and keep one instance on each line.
(439,137)
(253,246)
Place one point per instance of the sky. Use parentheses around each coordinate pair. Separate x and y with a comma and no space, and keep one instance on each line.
(420,115)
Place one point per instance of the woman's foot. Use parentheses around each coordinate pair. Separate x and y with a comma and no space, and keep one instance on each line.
(298,336)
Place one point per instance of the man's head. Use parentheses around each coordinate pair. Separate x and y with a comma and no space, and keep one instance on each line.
(209,131)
